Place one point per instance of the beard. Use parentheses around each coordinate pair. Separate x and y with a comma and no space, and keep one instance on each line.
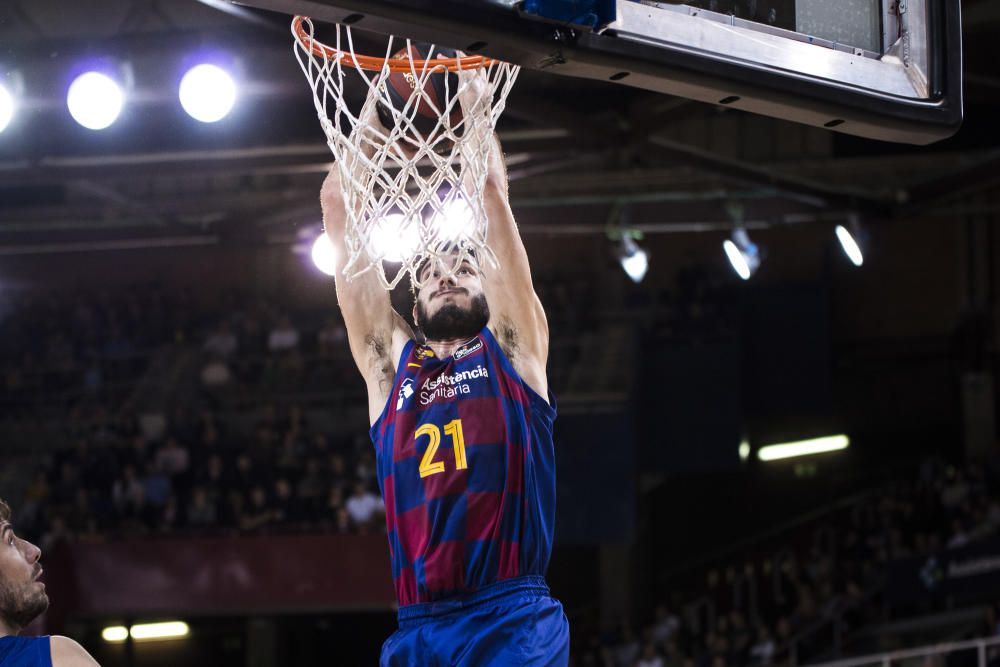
(19,606)
(452,321)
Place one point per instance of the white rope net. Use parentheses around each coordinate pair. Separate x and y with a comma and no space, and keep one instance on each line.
(411,194)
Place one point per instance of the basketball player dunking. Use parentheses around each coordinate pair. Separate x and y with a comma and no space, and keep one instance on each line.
(22,599)
(462,428)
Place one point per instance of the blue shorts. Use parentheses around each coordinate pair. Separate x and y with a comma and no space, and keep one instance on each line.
(512,622)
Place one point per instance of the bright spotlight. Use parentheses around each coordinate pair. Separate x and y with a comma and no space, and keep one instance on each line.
(743,253)
(6,108)
(207,93)
(744,450)
(323,255)
(115,633)
(737,259)
(788,450)
(634,259)
(146,631)
(395,238)
(850,246)
(455,221)
(167,630)
(94,100)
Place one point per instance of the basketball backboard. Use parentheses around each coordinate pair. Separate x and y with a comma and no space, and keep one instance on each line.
(883,69)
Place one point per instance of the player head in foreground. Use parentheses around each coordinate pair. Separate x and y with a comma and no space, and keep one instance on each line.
(22,600)
(462,426)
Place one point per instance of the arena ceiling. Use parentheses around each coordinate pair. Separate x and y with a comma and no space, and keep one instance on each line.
(578,150)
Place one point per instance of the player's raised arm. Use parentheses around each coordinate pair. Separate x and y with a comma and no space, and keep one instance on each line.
(517,317)
(374,331)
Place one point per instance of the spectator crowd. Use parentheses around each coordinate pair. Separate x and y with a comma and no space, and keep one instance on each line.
(826,579)
(198,478)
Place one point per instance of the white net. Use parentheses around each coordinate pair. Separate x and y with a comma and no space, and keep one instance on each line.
(413,173)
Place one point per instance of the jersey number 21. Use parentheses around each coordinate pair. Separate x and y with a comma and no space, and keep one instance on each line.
(428,466)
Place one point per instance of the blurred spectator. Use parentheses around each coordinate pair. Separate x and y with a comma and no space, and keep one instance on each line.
(365,470)
(338,471)
(665,625)
(155,486)
(762,651)
(363,505)
(283,336)
(310,487)
(650,658)
(216,373)
(172,458)
(222,344)
(201,512)
(57,532)
(286,506)
(35,498)
(335,501)
(343,522)
(257,514)
(170,516)
(627,651)
(332,338)
(128,493)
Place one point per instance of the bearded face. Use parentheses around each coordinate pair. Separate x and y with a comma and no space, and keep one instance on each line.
(22,596)
(22,603)
(451,305)
(453,321)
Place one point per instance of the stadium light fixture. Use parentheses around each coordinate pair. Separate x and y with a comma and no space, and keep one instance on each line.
(323,255)
(166,630)
(789,450)
(743,253)
(396,238)
(95,100)
(207,92)
(7,107)
(114,633)
(146,631)
(456,219)
(850,238)
(635,260)
(744,450)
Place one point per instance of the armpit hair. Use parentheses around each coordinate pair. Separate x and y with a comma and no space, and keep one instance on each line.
(377,343)
(507,336)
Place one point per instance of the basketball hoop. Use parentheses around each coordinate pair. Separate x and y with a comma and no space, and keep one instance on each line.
(411,194)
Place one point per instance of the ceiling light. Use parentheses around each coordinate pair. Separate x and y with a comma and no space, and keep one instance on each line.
(789,450)
(94,100)
(850,245)
(6,108)
(743,253)
(634,259)
(207,92)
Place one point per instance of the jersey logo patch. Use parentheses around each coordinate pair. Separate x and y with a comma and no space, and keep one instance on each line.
(468,349)
(405,391)
(451,386)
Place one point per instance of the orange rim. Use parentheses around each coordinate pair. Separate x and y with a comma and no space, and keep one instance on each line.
(376,64)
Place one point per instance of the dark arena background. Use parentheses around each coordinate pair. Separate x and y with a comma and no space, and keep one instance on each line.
(184,434)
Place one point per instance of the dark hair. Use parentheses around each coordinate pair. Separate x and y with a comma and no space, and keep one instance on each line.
(4,511)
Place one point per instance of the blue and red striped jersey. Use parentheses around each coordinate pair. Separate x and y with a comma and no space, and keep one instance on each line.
(466,466)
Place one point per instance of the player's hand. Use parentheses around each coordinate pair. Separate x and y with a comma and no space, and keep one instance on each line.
(476,98)
(474,92)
